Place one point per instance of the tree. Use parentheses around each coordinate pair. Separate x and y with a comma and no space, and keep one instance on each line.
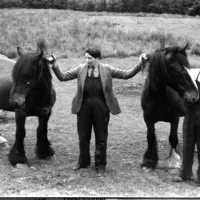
(195,9)
(130,5)
(72,4)
(100,5)
(144,5)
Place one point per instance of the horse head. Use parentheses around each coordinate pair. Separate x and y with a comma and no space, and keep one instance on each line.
(169,67)
(31,75)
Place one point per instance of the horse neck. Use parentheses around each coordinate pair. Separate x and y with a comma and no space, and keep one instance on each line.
(157,73)
(157,86)
(45,87)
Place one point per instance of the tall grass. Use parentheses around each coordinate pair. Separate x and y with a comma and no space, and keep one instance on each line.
(69,33)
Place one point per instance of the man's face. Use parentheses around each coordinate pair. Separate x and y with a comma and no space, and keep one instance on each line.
(91,61)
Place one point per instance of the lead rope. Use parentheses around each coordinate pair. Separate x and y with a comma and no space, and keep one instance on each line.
(40,74)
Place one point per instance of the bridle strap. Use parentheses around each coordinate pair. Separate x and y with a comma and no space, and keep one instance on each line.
(40,72)
(197,76)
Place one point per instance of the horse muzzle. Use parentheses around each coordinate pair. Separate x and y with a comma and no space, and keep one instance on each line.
(191,96)
(17,102)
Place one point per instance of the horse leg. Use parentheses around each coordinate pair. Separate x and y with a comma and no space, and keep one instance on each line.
(190,130)
(150,159)
(174,157)
(17,152)
(43,146)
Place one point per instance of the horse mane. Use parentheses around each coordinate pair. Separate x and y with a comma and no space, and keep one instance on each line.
(158,64)
(24,66)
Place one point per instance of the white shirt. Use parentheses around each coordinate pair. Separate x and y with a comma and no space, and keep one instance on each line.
(96,71)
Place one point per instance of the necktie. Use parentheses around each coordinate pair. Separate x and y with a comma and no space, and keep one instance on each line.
(92,72)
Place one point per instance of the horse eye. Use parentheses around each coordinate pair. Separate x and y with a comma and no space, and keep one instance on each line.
(28,83)
(178,71)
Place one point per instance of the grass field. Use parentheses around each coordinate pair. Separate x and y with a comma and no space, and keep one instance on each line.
(127,131)
(69,33)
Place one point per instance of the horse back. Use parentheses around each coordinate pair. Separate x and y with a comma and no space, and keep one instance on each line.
(6,66)
(5,88)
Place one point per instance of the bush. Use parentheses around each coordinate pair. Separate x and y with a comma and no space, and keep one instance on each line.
(195,10)
(11,3)
(154,9)
(195,49)
(155,6)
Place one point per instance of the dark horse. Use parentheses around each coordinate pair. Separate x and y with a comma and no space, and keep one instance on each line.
(167,86)
(29,92)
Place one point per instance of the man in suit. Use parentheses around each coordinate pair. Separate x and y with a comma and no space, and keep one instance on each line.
(94,101)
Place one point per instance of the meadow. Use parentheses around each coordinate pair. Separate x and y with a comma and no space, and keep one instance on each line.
(122,37)
(69,33)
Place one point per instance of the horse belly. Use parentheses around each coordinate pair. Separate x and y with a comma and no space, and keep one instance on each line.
(165,115)
(5,87)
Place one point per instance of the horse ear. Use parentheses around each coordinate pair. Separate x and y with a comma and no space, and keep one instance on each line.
(171,55)
(183,49)
(19,51)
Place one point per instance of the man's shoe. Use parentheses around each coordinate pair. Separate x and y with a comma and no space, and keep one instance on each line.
(100,168)
(78,166)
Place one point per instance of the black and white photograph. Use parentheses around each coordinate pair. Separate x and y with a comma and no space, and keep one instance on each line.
(100,99)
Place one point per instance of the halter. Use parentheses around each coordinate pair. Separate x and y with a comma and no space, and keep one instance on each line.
(194,75)
(40,73)
(197,77)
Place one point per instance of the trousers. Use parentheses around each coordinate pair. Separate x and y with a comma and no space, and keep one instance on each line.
(93,113)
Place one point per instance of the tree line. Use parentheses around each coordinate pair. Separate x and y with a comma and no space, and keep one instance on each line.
(191,7)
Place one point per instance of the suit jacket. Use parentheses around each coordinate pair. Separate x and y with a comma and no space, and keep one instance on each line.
(107,72)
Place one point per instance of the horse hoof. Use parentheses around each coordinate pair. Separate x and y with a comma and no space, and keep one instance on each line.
(33,168)
(25,166)
(2,140)
(15,158)
(175,160)
(149,164)
(4,146)
(144,168)
(16,161)
(45,154)
(175,164)
(147,169)
(174,171)
(21,166)
(179,179)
